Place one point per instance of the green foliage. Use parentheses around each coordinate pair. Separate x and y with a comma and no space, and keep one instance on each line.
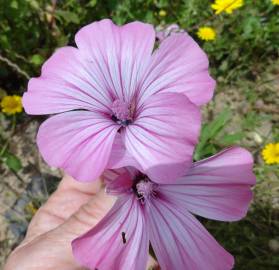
(12,161)
(213,138)
(32,29)
(249,240)
(209,132)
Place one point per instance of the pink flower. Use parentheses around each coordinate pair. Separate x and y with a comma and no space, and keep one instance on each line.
(118,103)
(216,188)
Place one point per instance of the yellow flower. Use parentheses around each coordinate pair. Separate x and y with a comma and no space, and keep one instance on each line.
(206,33)
(162,13)
(271,153)
(11,104)
(227,5)
(275,2)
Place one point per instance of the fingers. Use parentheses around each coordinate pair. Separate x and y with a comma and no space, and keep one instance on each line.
(152,264)
(88,215)
(66,200)
(69,183)
(52,249)
(69,196)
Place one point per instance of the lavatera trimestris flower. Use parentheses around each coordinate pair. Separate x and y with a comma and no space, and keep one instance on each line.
(148,211)
(120,102)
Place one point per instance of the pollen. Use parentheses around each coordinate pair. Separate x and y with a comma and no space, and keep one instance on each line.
(121,112)
(145,189)
(271,153)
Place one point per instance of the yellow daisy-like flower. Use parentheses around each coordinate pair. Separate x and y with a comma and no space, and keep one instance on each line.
(206,33)
(271,153)
(11,104)
(275,2)
(226,5)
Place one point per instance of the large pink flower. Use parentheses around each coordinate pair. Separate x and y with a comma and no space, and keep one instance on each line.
(119,103)
(218,188)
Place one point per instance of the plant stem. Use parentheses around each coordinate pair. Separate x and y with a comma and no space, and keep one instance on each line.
(14,66)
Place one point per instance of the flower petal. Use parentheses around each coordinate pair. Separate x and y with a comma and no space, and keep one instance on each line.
(163,137)
(120,53)
(67,83)
(218,187)
(120,157)
(80,142)
(179,65)
(181,242)
(119,241)
(119,181)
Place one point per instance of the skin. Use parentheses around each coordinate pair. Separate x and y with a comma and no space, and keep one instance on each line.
(73,209)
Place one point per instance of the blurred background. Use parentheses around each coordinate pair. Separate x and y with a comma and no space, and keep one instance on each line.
(242,43)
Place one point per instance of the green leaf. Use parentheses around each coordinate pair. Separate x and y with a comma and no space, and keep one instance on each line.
(92,3)
(67,16)
(230,139)
(208,150)
(14,4)
(251,25)
(34,4)
(4,41)
(12,162)
(210,131)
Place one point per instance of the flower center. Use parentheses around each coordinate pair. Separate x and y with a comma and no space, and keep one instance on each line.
(144,188)
(121,112)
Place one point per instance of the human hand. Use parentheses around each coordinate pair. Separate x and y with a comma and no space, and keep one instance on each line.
(71,211)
